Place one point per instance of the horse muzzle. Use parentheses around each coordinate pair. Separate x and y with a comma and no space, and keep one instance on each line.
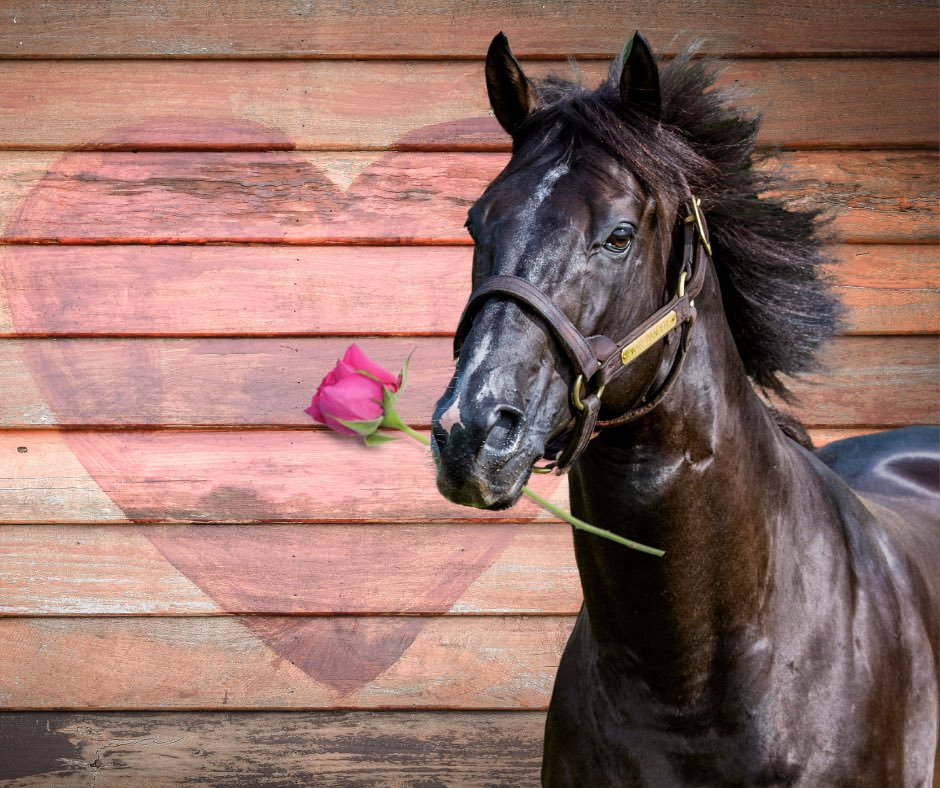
(483,455)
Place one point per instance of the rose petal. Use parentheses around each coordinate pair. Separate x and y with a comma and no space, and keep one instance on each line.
(359,360)
(343,370)
(314,410)
(328,380)
(356,398)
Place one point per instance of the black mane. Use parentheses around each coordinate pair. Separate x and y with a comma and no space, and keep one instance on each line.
(768,257)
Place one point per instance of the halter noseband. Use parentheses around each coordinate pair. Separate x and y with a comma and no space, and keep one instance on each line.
(598,359)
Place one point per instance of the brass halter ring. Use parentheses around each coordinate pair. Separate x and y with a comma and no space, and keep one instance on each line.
(696,216)
(576,392)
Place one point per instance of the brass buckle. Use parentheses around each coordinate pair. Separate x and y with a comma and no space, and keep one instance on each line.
(696,216)
(576,392)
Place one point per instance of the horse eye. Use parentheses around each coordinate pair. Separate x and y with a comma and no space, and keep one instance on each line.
(469,228)
(620,239)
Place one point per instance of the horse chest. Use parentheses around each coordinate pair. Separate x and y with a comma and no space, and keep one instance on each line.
(796,735)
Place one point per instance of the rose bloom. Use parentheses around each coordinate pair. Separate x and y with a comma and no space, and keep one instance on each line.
(347,395)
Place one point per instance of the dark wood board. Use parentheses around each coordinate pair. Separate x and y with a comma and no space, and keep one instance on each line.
(283,749)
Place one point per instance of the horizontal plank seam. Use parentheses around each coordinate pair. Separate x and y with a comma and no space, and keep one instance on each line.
(238,614)
(539,708)
(9,714)
(39,335)
(431,148)
(528,522)
(508,520)
(384,242)
(925,145)
(254,427)
(445,57)
(888,287)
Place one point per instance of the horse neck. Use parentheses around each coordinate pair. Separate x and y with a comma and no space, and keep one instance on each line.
(703,476)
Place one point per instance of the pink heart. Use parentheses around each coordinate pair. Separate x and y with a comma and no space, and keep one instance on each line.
(120,463)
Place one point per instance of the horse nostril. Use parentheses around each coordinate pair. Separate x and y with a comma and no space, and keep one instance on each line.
(504,434)
(439,436)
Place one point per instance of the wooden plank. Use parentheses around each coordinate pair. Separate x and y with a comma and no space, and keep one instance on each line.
(360,29)
(870,381)
(883,381)
(876,189)
(270,290)
(160,749)
(238,477)
(227,476)
(287,569)
(374,198)
(261,662)
(888,289)
(363,105)
(821,437)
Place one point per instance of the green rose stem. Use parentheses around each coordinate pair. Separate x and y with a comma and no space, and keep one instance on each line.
(393,420)
(591,529)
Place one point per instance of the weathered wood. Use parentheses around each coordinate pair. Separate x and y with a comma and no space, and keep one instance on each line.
(866,379)
(358,105)
(265,290)
(375,198)
(356,569)
(161,749)
(226,476)
(293,662)
(881,381)
(360,29)
(237,476)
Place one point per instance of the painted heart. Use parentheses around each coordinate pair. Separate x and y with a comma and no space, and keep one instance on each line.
(138,196)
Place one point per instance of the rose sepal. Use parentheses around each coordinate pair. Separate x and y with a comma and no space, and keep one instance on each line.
(364,428)
(378,438)
(390,417)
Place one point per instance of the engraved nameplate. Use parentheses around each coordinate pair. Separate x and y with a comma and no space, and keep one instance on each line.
(648,338)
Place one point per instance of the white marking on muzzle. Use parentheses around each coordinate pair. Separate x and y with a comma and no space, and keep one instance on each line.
(451,416)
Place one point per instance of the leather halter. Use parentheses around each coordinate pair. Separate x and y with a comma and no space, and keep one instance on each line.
(598,359)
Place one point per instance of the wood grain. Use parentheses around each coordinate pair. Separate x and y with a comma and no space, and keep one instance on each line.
(360,29)
(226,476)
(375,198)
(271,290)
(363,105)
(162,749)
(280,663)
(237,476)
(287,569)
(155,378)
(235,382)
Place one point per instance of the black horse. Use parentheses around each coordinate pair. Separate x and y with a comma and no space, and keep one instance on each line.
(791,633)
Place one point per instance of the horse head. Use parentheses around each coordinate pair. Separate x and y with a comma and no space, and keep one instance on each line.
(570,218)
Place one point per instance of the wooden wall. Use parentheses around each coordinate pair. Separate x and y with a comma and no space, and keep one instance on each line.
(201,204)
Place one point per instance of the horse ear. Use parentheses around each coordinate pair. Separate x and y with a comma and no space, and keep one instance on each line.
(639,80)
(512,96)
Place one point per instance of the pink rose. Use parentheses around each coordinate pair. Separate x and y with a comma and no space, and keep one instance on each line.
(346,394)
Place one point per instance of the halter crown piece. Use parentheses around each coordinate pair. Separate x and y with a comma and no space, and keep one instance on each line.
(598,359)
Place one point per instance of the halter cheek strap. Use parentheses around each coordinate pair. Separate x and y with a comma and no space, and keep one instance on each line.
(598,359)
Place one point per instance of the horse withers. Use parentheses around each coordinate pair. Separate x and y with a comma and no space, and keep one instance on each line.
(634,286)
